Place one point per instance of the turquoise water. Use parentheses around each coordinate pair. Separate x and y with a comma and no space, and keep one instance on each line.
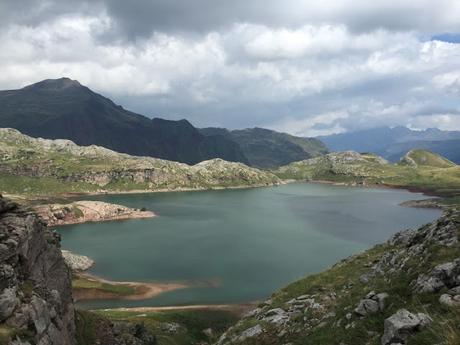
(247,243)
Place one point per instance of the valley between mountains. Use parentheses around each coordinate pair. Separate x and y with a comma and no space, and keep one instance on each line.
(295,195)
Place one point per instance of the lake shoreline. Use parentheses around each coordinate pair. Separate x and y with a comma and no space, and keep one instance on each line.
(157,288)
(429,203)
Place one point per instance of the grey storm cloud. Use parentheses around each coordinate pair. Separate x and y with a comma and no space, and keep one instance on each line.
(142,17)
(303,67)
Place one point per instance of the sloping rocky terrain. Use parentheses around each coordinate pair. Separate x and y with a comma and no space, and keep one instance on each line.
(405,291)
(40,166)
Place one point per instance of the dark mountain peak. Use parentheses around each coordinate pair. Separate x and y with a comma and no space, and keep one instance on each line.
(182,123)
(55,85)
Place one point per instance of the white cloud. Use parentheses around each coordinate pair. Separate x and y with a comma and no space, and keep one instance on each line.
(313,78)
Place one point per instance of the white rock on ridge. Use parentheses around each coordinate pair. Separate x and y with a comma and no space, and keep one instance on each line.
(77,262)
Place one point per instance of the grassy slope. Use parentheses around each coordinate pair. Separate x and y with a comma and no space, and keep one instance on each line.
(191,323)
(426,158)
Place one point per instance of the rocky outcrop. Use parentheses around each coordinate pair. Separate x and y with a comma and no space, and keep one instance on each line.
(446,275)
(88,211)
(36,299)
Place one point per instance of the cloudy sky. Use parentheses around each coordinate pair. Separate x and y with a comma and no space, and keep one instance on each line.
(304,67)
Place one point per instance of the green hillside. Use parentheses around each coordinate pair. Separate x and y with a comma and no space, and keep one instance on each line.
(40,166)
(426,158)
(441,177)
(269,149)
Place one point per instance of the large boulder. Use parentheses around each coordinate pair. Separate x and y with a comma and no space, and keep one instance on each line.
(401,325)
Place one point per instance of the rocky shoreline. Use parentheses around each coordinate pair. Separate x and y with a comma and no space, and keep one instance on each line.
(88,211)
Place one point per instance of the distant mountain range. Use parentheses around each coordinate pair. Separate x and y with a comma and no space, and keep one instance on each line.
(268,149)
(65,109)
(392,143)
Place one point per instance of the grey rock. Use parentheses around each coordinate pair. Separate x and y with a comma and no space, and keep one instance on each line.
(371,304)
(251,332)
(171,327)
(454,291)
(401,325)
(381,300)
(8,302)
(444,275)
(40,314)
(276,316)
(450,300)
(367,306)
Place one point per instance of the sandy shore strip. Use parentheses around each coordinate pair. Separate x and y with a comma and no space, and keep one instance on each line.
(94,287)
(238,309)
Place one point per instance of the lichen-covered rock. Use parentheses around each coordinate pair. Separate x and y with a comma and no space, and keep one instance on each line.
(36,291)
(401,325)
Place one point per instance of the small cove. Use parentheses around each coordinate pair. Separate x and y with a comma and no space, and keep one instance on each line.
(238,246)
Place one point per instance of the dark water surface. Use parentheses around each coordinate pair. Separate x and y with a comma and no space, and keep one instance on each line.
(250,242)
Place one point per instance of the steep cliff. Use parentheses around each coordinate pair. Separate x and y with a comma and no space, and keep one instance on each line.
(36,304)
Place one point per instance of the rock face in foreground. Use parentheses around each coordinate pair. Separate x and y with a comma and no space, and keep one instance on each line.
(36,304)
(406,291)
